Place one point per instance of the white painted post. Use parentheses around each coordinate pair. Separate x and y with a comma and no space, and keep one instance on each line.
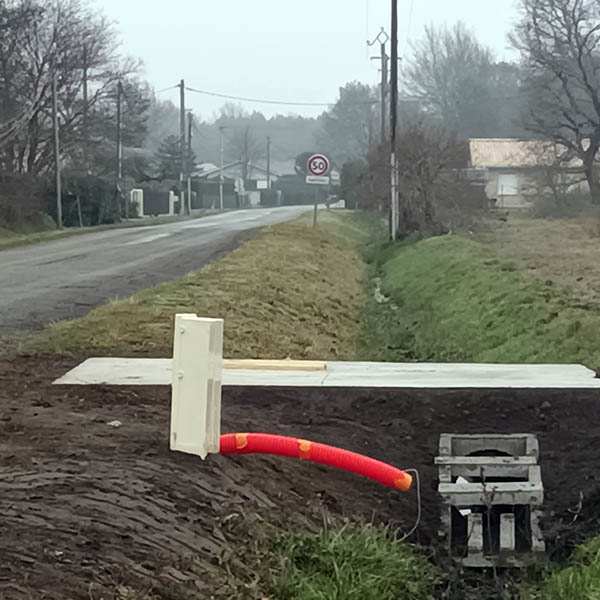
(172,200)
(136,197)
(196,385)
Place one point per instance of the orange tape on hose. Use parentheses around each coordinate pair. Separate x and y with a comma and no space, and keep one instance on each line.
(265,443)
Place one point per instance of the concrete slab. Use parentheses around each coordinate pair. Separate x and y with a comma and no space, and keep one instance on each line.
(157,371)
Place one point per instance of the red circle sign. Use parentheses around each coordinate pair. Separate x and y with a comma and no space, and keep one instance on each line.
(318,165)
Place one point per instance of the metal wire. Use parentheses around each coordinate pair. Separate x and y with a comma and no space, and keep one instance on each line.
(265,101)
(419,505)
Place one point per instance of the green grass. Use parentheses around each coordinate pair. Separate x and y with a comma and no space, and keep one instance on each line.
(451,299)
(350,563)
(580,580)
(272,557)
(293,292)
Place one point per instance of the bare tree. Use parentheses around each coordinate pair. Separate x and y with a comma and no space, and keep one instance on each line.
(52,41)
(555,175)
(349,128)
(434,194)
(452,73)
(559,42)
(245,146)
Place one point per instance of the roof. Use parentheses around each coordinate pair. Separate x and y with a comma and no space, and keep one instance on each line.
(234,168)
(510,153)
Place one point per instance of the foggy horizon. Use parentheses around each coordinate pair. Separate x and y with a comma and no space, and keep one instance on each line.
(267,46)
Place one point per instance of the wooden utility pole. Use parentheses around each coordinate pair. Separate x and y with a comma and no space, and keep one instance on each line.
(268,162)
(182,144)
(117,207)
(393,117)
(189,165)
(86,143)
(384,84)
(59,218)
(119,134)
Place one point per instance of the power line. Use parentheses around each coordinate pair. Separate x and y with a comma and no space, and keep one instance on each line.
(265,101)
(172,87)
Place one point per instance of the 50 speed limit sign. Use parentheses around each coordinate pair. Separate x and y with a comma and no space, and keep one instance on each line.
(318,165)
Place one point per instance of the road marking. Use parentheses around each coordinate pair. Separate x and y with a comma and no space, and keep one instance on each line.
(147,239)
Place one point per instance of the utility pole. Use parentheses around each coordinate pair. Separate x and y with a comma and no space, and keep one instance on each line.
(382,38)
(119,157)
(384,84)
(189,164)
(268,162)
(181,144)
(393,118)
(86,143)
(221,130)
(57,153)
(119,134)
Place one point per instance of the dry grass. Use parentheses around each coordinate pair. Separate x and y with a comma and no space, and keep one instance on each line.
(561,252)
(293,292)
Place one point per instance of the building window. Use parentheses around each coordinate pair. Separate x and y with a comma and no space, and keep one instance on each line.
(508,185)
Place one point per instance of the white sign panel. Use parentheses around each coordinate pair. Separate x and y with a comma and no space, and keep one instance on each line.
(262,184)
(317,180)
(318,165)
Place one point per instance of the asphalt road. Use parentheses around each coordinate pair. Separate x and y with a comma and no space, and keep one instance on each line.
(66,278)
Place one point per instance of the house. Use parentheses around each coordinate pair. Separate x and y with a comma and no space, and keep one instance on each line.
(257,178)
(515,171)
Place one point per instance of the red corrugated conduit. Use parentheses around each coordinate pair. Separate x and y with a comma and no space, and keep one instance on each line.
(264,443)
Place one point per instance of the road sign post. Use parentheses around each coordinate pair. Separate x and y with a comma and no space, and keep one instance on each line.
(317,168)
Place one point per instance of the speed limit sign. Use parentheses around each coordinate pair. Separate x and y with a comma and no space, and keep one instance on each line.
(318,165)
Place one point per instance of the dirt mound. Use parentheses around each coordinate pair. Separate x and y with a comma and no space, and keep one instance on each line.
(85,502)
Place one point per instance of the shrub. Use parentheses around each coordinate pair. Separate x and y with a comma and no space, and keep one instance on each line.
(575,203)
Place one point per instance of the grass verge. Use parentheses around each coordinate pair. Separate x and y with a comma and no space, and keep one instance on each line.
(292,292)
(451,299)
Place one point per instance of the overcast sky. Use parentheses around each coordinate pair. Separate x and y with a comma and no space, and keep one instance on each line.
(290,50)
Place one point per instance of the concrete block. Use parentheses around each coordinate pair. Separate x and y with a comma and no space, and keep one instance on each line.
(466,445)
(475,534)
(474,485)
(537,539)
(479,494)
(483,467)
(507,532)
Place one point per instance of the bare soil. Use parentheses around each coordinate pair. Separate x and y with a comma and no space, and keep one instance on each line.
(90,510)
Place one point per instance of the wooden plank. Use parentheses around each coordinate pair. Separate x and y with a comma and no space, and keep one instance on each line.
(273,365)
